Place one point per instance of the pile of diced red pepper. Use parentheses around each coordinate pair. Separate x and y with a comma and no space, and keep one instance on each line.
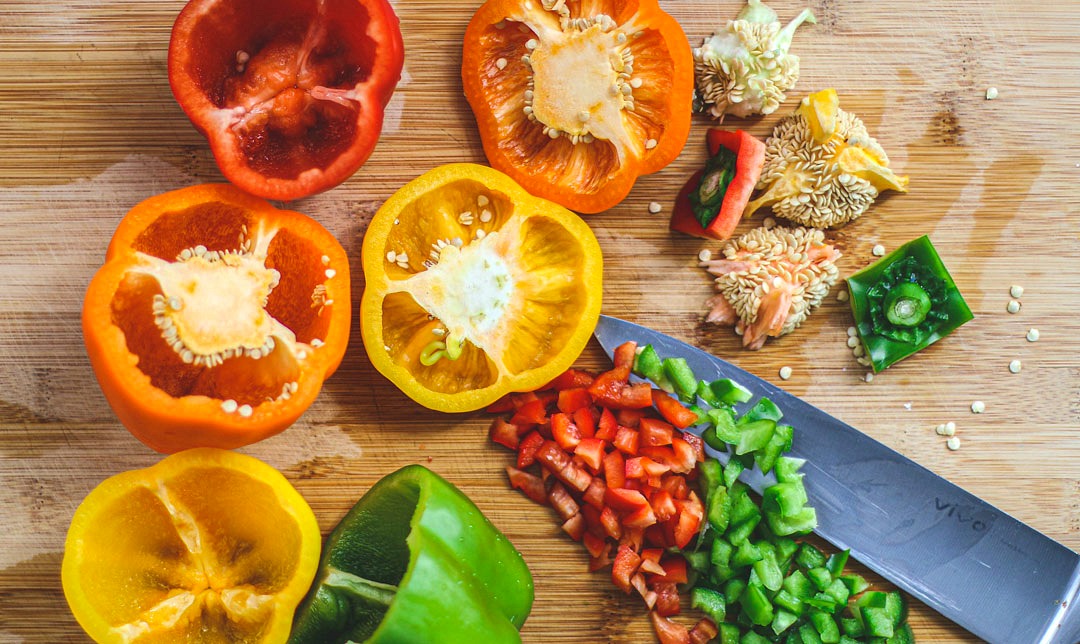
(616,467)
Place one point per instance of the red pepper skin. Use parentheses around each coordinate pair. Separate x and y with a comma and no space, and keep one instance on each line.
(301,112)
(750,158)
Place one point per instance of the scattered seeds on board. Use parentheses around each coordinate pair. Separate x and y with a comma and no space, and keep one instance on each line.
(785,373)
(769,222)
(655,207)
(1014,366)
(953,443)
(1016,291)
(991,93)
(878,251)
(842,295)
(705,255)
(869,376)
(852,331)
(978,407)
(1033,335)
(907,406)
(950,428)
(1013,307)
(940,429)
(852,342)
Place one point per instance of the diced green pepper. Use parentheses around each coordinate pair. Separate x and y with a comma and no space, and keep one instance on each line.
(785,550)
(648,365)
(757,605)
(790,498)
(754,436)
(823,602)
(711,475)
(809,557)
(698,560)
(733,590)
(820,577)
(709,602)
(902,635)
(896,607)
(904,303)
(719,513)
(852,627)
(802,522)
(765,409)
(745,555)
(783,620)
(787,469)
(837,561)
(844,639)
(705,392)
(729,634)
(732,471)
(722,430)
(777,445)
(855,583)
(798,585)
(838,591)
(767,569)
(680,375)
(750,637)
(878,622)
(788,601)
(825,626)
(809,634)
(720,553)
(730,392)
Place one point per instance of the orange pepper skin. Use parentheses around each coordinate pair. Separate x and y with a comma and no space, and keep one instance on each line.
(172,406)
(584,177)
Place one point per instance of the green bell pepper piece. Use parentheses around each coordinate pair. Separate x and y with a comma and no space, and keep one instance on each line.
(680,375)
(415,560)
(730,392)
(783,620)
(809,557)
(757,605)
(904,303)
(710,602)
(648,365)
(765,409)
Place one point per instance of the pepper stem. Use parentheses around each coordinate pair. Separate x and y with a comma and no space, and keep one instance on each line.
(907,304)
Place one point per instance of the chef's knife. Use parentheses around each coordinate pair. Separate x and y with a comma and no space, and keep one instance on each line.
(976,565)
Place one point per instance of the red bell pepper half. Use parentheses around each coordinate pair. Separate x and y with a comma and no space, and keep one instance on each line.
(749,155)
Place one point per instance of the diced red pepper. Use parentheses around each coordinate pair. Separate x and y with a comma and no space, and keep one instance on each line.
(654,469)
(667,631)
(630,417)
(530,485)
(505,434)
(667,599)
(662,454)
(575,527)
(624,355)
(571,400)
(615,470)
(563,503)
(663,504)
(523,397)
(632,537)
(607,426)
(655,432)
(571,379)
(564,431)
(596,546)
(674,571)
(697,445)
(596,563)
(638,582)
(636,396)
(643,517)
(527,449)
(559,463)
(576,477)
(650,561)
(625,500)
(676,486)
(626,440)
(625,565)
(684,459)
(691,513)
(594,495)
(591,451)
(592,521)
(672,410)
(502,405)
(634,468)
(612,525)
(585,422)
(703,632)
(607,385)
(530,413)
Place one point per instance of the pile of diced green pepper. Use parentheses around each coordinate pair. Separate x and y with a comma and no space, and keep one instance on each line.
(750,576)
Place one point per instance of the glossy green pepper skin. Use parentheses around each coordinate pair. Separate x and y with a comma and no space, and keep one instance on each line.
(904,303)
(415,561)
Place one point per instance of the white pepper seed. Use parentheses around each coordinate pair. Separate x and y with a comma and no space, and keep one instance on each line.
(940,429)
(842,296)
(391,257)
(330,273)
(705,255)
(1014,366)
(991,93)
(852,332)
(229,406)
(325,260)
(1013,307)
(978,407)
(853,342)
(953,443)
(650,144)
(785,373)
(769,223)
(501,63)
(878,251)
(1016,291)
(869,377)
(950,428)
(1033,335)
(655,207)
(245,411)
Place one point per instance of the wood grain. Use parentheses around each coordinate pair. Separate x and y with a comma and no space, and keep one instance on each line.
(89,128)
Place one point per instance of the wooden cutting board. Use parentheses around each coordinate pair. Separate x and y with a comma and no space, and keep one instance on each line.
(89,128)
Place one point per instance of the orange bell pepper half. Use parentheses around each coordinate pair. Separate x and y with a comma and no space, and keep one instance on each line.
(215,318)
(574,100)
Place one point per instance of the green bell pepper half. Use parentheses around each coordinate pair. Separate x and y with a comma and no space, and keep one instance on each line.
(415,561)
(904,303)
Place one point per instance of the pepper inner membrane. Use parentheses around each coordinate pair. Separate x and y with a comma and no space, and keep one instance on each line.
(198,351)
(288,73)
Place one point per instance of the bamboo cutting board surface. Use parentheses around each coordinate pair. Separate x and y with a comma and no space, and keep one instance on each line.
(89,128)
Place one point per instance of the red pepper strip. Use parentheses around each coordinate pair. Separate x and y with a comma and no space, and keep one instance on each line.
(505,434)
(626,564)
(668,631)
(672,410)
(703,632)
(624,355)
(667,599)
(749,160)
(571,379)
(530,485)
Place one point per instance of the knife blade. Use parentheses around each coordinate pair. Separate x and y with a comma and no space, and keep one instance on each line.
(998,578)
